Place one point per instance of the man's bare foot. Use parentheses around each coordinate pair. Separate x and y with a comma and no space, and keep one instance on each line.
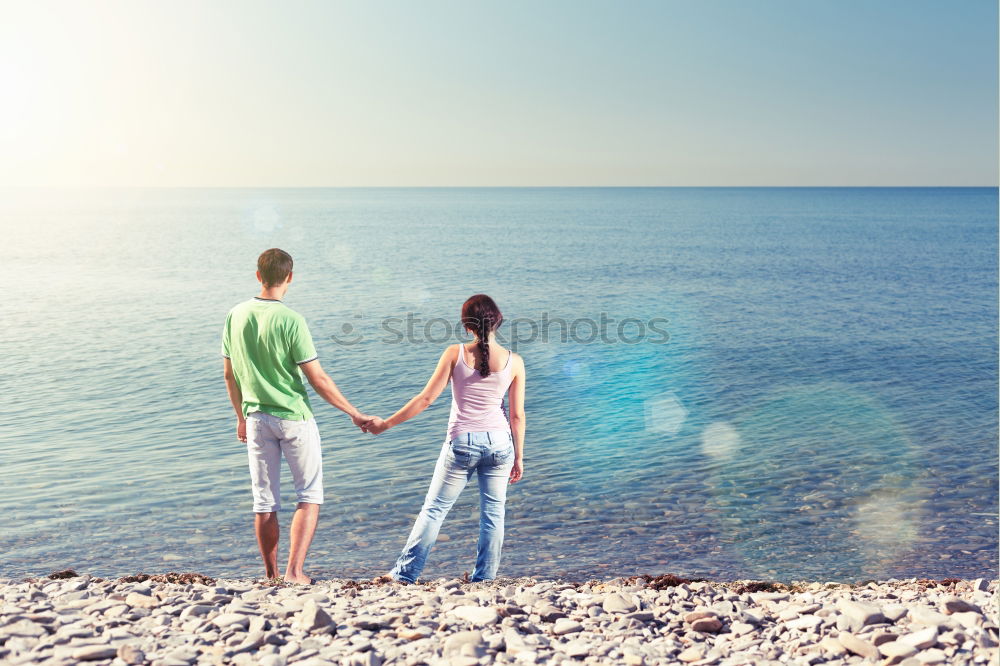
(301,580)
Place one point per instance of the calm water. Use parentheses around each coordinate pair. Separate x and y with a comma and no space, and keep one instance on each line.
(804,386)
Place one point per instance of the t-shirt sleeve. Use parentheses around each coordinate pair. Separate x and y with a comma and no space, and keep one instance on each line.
(301,341)
(225,337)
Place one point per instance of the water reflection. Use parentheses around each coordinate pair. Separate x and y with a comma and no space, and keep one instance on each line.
(650,457)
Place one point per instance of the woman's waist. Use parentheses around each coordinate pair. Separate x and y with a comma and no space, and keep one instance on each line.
(468,405)
(493,419)
(481,437)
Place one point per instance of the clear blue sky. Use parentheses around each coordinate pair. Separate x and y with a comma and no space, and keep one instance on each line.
(768,92)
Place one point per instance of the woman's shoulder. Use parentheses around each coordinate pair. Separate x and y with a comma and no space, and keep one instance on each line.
(449,358)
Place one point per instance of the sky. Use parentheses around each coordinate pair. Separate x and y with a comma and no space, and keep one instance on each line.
(133,93)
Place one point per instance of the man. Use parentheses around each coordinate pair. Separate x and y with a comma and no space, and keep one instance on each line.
(265,346)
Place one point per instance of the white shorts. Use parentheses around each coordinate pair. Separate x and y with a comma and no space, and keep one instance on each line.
(268,437)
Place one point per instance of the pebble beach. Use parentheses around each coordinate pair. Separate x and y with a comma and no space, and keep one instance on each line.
(182,619)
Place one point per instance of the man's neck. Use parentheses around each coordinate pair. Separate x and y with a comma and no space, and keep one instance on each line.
(271,294)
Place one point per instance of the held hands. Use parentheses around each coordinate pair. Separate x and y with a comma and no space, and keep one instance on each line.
(360,419)
(368,423)
(376,426)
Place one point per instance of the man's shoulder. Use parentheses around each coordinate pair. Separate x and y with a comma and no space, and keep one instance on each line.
(290,312)
(242,306)
(290,315)
(235,312)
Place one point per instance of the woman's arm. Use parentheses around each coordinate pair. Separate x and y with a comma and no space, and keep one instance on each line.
(515,397)
(424,399)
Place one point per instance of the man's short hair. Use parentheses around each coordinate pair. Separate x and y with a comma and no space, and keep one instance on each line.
(274,266)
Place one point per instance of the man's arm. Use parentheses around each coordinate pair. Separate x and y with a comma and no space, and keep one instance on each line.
(235,397)
(327,390)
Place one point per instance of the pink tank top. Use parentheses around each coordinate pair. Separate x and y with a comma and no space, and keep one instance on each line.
(477,401)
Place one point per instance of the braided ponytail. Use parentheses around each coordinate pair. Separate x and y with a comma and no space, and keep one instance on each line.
(482,316)
(484,347)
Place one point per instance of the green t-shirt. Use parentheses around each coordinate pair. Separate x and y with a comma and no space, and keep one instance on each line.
(266,342)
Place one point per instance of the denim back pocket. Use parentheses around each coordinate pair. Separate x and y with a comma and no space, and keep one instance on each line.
(461,452)
(503,456)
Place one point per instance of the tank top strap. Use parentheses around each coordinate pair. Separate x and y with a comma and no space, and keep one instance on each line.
(508,373)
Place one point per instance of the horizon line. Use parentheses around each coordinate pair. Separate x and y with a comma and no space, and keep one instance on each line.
(430,187)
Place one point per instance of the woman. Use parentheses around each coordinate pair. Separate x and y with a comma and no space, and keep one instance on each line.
(480,439)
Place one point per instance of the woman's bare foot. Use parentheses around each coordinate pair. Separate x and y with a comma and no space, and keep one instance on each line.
(386,579)
(301,580)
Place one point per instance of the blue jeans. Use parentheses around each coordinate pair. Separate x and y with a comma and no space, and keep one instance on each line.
(491,454)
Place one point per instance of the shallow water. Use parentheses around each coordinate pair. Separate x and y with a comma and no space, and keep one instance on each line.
(817,397)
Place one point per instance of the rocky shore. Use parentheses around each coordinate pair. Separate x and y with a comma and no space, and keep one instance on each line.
(181,619)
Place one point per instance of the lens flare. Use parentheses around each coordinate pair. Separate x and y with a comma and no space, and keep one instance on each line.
(720,440)
(815,481)
(381,276)
(665,415)
(340,256)
(266,219)
(577,369)
(883,520)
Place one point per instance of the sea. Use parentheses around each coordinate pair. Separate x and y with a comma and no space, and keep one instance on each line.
(724,383)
